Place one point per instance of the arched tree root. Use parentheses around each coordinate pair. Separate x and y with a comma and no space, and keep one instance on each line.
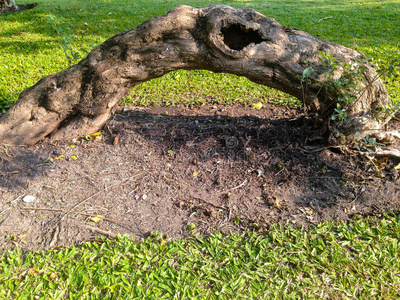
(218,38)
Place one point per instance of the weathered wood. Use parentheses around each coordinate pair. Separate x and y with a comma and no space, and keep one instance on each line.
(8,5)
(80,99)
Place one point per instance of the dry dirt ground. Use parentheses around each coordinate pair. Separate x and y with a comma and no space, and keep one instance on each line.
(228,168)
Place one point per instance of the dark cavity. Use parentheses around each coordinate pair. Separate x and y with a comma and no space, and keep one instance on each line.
(237,36)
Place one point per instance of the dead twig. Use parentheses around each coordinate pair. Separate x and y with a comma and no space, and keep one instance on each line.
(326,18)
(388,152)
(98,230)
(209,203)
(74,212)
(55,237)
(5,219)
(98,192)
(235,188)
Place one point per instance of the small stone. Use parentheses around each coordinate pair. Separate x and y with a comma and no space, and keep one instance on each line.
(28,199)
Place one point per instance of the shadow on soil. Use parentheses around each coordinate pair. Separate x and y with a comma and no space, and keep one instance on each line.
(229,169)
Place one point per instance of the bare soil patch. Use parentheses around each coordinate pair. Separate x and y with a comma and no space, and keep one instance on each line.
(162,168)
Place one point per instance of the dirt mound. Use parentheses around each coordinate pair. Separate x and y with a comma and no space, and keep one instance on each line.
(162,168)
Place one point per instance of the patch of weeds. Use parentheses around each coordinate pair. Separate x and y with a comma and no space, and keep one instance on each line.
(366,142)
(346,86)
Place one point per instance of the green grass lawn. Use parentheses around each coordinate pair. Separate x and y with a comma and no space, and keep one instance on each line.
(358,260)
(30,47)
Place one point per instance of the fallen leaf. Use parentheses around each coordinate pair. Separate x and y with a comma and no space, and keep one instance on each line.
(53,276)
(195,174)
(32,272)
(397,167)
(59,157)
(97,219)
(382,161)
(192,227)
(96,133)
(72,146)
(116,140)
(74,157)
(18,277)
(257,105)
(277,203)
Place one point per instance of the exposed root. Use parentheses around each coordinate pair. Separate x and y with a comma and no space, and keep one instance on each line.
(386,136)
(387,152)
(218,38)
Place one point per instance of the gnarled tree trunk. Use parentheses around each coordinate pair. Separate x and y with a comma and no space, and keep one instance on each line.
(218,38)
(8,5)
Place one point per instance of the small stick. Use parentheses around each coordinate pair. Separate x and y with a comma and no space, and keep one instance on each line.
(55,236)
(209,203)
(98,230)
(74,212)
(389,152)
(326,18)
(235,188)
(98,192)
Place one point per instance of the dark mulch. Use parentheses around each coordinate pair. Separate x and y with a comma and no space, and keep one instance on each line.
(163,168)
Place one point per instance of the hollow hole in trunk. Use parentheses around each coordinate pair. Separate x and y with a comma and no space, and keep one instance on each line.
(237,36)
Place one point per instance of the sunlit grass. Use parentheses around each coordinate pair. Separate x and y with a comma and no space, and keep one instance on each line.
(356,260)
(30,48)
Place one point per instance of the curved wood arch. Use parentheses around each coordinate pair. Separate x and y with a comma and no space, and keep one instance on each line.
(219,38)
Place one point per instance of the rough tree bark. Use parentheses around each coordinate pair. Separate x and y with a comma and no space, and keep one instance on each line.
(8,5)
(218,38)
